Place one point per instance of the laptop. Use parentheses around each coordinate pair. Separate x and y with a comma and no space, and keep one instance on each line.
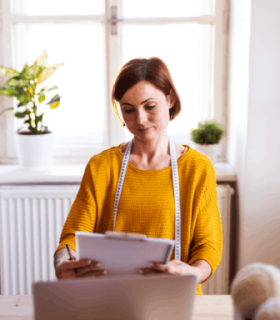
(149,297)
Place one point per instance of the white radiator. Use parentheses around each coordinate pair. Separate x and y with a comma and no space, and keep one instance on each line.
(219,282)
(32,219)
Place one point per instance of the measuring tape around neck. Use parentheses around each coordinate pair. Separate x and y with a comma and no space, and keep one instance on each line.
(176,190)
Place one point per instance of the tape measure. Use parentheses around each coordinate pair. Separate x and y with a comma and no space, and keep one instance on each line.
(176,190)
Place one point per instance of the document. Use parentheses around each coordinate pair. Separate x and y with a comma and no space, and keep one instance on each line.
(122,253)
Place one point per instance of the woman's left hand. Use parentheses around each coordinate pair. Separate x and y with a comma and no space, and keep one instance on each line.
(173,267)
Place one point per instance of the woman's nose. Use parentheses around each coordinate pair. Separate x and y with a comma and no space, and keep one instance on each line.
(141,116)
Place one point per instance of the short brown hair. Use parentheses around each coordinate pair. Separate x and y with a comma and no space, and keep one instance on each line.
(153,70)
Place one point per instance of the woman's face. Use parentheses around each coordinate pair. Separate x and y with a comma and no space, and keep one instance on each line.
(145,110)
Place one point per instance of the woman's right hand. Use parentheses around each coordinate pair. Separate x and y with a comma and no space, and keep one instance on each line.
(76,268)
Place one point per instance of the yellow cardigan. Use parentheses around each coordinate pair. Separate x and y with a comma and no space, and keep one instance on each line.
(147,204)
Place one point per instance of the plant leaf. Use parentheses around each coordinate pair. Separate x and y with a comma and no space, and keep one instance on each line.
(54,102)
(20,114)
(8,72)
(12,91)
(24,102)
(44,89)
(208,133)
(42,60)
(40,118)
(52,88)
(54,98)
(48,71)
(11,108)
(30,91)
(17,82)
(31,72)
(9,92)
(23,99)
(42,97)
(23,96)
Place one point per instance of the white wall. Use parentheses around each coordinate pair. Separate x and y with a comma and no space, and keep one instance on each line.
(2,99)
(240,22)
(2,125)
(254,137)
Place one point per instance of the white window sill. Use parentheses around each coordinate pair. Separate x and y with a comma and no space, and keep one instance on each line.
(72,174)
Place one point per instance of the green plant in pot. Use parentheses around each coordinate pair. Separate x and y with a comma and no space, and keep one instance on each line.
(34,142)
(207,137)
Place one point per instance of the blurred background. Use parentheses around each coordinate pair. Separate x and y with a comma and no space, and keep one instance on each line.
(223,56)
(181,34)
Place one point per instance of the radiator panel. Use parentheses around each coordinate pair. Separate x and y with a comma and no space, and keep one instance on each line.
(219,282)
(32,218)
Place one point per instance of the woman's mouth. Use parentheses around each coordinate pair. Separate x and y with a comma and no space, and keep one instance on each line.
(146,129)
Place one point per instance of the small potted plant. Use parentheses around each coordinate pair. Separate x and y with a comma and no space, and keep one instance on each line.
(34,142)
(206,138)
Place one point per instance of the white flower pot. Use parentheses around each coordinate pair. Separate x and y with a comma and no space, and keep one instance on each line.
(35,152)
(210,150)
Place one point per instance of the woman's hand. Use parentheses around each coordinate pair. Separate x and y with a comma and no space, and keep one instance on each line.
(83,268)
(173,267)
(78,269)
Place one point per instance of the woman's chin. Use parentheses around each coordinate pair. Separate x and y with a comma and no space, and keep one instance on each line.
(145,137)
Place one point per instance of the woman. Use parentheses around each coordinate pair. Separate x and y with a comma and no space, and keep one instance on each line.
(148,101)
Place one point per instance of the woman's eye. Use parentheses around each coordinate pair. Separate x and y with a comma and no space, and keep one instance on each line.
(131,110)
(150,107)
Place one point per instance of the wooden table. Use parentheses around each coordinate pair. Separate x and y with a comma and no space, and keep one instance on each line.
(206,307)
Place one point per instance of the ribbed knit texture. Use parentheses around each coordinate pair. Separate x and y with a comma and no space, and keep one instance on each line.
(147,204)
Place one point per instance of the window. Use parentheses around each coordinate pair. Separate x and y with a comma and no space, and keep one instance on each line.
(189,36)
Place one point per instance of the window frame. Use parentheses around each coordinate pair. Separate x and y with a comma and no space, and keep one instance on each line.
(115,134)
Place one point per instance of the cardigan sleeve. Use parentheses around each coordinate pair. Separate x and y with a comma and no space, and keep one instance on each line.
(82,214)
(207,242)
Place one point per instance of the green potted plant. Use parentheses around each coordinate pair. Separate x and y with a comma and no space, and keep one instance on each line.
(207,137)
(34,141)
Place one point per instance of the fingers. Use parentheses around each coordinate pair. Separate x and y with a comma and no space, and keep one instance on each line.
(92,274)
(145,271)
(175,263)
(74,269)
(88,268)
(173,267)
(66,274)
(157,266)
(155,269)
(71,264)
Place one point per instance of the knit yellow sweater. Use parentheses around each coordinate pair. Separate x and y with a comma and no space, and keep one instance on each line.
(147,204)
